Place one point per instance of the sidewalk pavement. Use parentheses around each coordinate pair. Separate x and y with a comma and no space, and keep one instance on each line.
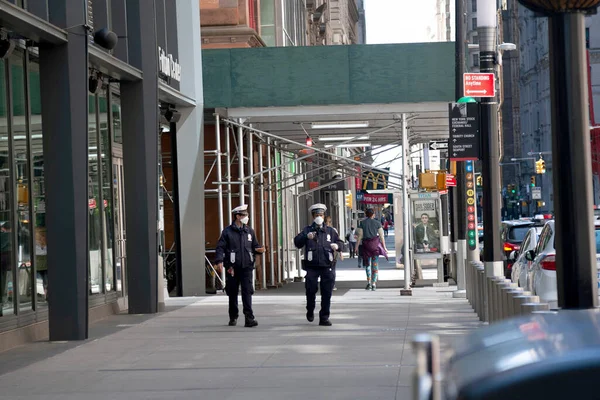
(191,353)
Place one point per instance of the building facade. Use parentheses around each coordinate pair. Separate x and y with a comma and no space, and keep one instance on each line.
(73,206)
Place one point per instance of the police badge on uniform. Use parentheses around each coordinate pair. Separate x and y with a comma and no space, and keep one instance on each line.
(249,237)
(328,237)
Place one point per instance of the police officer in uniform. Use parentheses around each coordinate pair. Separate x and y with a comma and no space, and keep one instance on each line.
(237,248)
(320,242)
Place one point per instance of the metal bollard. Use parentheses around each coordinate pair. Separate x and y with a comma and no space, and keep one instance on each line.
(528,308)
(500,284)
(468,282)
(504,297)
(526,297)
(427,375)
(481,292)
(491,304)
(511,294)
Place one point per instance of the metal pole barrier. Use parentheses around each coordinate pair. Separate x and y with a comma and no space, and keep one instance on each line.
(518,301)
(486,30)
(529,308)
(272,246)
(511,294)
(220,179)
(261,203)
(228,160)
(501,286)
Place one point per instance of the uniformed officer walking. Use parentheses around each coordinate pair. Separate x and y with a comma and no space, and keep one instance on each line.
(236,249)
(320,242)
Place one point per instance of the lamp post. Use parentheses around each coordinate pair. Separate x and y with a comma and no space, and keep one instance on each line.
(574,242)
(486,30)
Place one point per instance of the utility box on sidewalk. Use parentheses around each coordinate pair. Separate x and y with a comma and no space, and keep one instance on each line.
(551,355)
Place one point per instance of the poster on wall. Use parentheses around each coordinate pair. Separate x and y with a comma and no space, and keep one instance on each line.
(426,226)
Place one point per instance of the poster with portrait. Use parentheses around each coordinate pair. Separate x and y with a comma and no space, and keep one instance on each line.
(426,226)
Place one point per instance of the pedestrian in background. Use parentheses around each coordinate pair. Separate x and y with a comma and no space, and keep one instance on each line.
(338,254)
(236,249)
(370,236)
(319,242)
(351,238)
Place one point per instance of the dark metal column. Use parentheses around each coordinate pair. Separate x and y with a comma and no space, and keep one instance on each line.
(459,217)
(64,92)
(575,245)
(176,211)
(490,150)
(140,150)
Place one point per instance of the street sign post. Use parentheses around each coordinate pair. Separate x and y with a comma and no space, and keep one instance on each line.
(464,142)
(438,145)
(472,236)
(536,193)
(479,84)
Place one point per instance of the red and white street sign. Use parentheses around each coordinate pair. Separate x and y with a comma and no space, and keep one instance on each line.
(479,84)
(450,180)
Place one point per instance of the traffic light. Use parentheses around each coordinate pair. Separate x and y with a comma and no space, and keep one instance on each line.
(533,181)
(540,166)
(349,200)
(513,190)
(479,180)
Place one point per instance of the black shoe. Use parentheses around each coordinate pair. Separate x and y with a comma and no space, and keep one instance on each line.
(233,322)
(250,323)
(325,322)
(310,316)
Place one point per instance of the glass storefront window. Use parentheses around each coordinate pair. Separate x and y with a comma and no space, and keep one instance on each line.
(21,173)
(6,210)
(108,231)
(116,118)
(95,221)
(38,187)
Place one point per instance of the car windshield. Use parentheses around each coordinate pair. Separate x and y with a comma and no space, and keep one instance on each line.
(518,233)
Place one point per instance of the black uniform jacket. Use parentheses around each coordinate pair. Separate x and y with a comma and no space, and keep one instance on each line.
(236,247)
(318,251)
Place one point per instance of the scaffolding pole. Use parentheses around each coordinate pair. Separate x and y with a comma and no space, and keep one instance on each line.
(317,150)
(228,160)
(270,208)
(251,202)
(241,160)
(220,187)
(279,202)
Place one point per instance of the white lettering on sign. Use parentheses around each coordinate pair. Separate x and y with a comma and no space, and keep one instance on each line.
(168,66)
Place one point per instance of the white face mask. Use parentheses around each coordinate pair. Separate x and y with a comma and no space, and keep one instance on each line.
(245,220)
(319,221)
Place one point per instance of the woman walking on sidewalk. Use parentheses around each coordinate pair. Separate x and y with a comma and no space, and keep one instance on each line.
(372,241)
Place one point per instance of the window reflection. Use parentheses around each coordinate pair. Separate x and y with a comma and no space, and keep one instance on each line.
(38,188)
(21,168)
(108,232)
(6,194)
(95,222)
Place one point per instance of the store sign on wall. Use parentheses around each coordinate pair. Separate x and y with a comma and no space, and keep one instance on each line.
(168,66)
(471,215)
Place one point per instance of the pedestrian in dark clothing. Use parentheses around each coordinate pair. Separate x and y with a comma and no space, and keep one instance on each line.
(320,242)
(236,249)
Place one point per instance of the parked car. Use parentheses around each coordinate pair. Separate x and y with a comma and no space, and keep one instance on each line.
(521,267)
(543,268)
(512,234)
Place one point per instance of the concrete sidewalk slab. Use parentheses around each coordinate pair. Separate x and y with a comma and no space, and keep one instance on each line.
(191,353)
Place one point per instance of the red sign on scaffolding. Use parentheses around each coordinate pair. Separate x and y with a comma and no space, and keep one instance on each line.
(313,185)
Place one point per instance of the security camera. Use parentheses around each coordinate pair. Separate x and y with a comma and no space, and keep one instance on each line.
(105,38)
(172,115)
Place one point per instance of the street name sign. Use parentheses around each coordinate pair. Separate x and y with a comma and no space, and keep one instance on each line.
(450,180)
(464,131)
(479,84)
(438,145)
